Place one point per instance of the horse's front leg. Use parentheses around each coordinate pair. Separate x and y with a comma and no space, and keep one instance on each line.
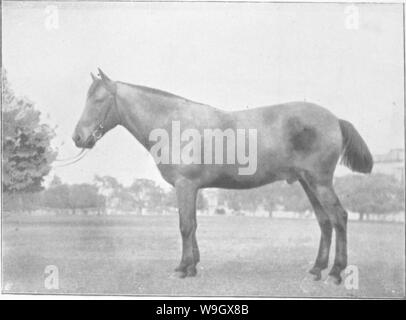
(186,192)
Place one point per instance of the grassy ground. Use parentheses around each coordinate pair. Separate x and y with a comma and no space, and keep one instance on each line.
(240,256)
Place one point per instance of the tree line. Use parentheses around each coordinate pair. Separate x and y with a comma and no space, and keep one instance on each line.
(376,193)
(103,193)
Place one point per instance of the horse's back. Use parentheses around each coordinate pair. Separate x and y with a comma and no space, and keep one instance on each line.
(306,111)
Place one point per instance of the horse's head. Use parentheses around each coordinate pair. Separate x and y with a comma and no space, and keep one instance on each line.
(100,113)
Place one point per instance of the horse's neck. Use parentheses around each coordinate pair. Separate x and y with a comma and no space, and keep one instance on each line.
(142,111)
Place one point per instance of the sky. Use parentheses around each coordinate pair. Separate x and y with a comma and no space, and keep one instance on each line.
(228,55)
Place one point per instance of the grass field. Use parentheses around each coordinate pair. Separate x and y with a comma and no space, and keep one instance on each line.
(240,256)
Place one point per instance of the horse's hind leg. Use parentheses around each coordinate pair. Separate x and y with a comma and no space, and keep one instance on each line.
(338,217)
(186,194)
(326,232)
(196,252)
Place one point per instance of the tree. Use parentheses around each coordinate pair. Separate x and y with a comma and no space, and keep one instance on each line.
(77,196)
(376,193)
(170,200)
(27,154)
(291,197)
(147,194)
(269,197)
(238,200)
(56,196)
(108,185)
(85,196)
(117,196)
(201,201)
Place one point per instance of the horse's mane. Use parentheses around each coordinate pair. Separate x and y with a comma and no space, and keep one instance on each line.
(154,91)
(97,83)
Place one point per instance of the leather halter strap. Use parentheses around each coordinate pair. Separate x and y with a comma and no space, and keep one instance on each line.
(99,132)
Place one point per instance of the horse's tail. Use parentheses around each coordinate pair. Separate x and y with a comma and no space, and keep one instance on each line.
(355,153)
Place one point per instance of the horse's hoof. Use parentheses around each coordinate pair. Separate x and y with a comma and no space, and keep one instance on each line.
(334,279)
(180,268)
(316,277)
(316,273)
(179,274)
(191,271)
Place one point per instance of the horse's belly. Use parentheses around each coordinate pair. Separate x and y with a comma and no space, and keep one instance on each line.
(230,183)
(235,181)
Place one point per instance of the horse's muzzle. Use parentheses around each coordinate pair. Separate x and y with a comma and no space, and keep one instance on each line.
(80,142)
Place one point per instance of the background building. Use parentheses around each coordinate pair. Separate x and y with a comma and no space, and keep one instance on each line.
(391,163)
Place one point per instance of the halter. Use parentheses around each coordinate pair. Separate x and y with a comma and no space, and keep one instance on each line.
(98,132)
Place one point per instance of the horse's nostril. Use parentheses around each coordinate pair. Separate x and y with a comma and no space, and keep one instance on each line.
(76,138)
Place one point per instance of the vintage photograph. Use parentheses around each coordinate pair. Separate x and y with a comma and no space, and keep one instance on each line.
(203,149)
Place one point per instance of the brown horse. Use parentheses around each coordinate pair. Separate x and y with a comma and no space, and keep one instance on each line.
(296,141)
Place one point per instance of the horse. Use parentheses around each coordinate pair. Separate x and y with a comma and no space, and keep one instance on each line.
(296,141)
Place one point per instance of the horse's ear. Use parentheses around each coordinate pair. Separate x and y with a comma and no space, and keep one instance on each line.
(94,78)
(107,83)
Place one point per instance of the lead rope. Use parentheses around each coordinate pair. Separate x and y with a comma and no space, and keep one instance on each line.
(73,160)
(70,159)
